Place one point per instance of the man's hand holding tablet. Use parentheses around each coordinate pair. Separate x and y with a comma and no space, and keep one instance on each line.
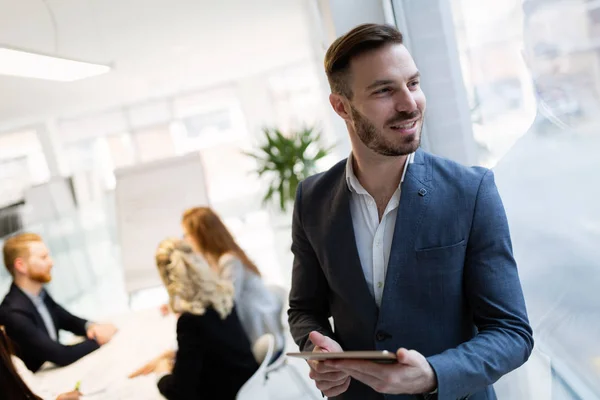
(406,371)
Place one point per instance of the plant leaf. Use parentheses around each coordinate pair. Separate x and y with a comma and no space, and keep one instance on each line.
(286,159)
(269,194)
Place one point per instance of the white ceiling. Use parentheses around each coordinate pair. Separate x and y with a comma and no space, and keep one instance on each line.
(158,47)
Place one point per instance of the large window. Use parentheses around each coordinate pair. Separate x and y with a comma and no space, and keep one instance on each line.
(297,97)
(154,143)
(22,164)
(532,72)
(214,125)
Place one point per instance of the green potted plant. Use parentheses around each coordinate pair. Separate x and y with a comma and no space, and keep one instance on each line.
(286,160)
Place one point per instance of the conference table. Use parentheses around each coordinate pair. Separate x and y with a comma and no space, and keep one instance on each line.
(142,335)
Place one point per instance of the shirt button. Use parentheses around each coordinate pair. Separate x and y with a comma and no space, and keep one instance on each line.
(379,285)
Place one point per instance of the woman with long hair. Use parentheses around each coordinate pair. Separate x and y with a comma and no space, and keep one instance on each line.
(257,308)
(12,384)
(214,357)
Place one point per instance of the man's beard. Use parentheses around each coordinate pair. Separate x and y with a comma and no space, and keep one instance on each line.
(376,141)
(40,277)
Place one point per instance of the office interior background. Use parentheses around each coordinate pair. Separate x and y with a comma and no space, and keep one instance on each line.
(511,85)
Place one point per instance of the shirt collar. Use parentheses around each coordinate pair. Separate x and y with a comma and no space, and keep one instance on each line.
(35,299)
(353,183)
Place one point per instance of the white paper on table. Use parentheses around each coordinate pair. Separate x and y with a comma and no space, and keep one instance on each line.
(103,373)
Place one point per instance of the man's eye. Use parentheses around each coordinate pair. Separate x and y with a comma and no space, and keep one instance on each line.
(383,90)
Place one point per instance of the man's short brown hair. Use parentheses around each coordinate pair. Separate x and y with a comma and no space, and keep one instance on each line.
(359,40)
(17,246)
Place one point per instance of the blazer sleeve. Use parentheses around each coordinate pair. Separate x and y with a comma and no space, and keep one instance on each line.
(35,341)
(309,307)
(66,320)
(183,382)
(504,340)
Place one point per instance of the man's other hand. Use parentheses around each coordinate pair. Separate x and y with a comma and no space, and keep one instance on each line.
(101,333)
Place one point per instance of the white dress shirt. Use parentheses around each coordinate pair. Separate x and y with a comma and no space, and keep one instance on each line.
(373,238)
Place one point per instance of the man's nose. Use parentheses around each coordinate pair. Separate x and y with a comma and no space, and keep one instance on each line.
(405,101)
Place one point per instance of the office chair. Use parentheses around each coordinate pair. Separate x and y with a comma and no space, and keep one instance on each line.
(256,386)
(281,362)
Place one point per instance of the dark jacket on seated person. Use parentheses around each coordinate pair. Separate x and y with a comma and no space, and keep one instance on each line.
(214,358)
(32,342)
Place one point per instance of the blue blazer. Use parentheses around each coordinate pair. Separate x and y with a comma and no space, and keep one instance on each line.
(452,291)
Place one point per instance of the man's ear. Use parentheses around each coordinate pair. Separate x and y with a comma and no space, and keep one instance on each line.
(340,105)
(20,265)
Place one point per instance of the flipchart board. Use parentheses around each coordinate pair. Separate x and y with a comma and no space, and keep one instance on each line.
(150,199)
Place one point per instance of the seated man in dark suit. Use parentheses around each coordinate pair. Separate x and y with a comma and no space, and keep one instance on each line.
(32,318)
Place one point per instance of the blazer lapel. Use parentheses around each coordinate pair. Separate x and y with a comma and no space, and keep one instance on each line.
(347,269)
(417,191)
(22,302)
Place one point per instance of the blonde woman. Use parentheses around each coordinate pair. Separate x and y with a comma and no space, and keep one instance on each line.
(257,308)
(214,357)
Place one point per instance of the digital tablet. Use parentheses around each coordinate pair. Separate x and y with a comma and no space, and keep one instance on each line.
(374,356)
